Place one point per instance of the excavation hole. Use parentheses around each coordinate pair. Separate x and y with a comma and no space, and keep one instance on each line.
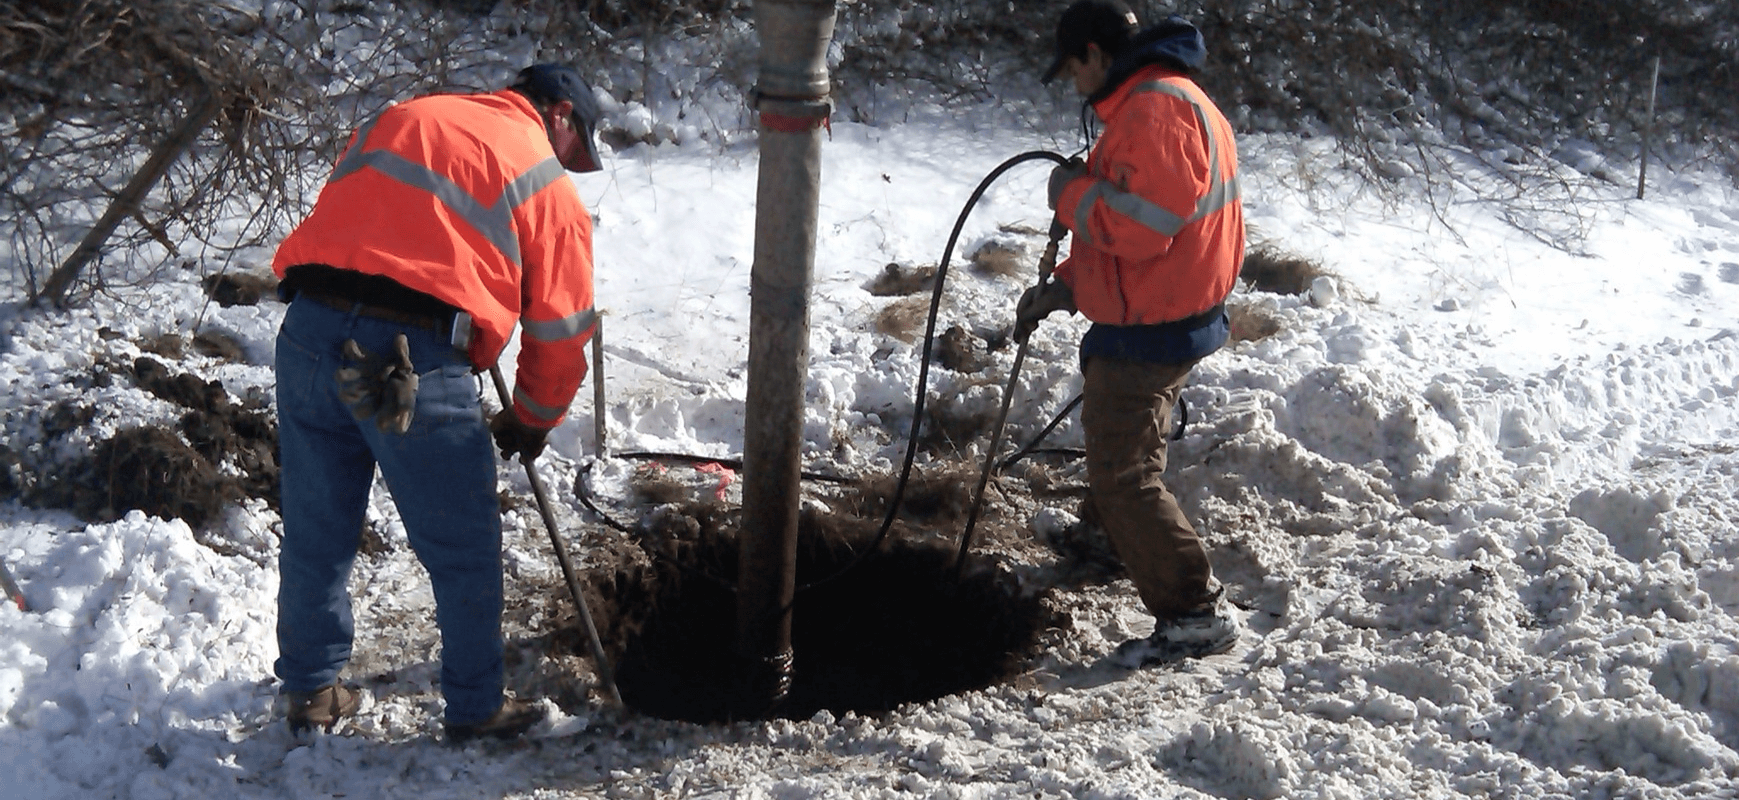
(897,628)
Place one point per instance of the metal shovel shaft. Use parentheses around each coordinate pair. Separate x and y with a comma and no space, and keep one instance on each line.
(605,675)
(1047,261)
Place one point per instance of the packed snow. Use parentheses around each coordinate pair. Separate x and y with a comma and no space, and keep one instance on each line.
(1477,497)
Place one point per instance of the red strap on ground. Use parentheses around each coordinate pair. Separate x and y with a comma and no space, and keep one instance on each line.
(11,589)
(725,475)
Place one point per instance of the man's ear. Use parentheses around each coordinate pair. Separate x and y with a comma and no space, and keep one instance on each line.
(561,113)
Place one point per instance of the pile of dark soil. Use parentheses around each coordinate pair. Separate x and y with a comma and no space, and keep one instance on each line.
(171,473)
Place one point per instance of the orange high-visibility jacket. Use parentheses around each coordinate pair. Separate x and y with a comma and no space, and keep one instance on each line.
(461,197)
(1158,229)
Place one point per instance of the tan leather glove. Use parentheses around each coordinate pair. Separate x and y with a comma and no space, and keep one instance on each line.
(383,388)
(1037,303)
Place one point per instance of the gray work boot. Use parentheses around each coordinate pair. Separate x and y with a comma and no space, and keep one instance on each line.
(322,708)
(1205,632)
(510,721)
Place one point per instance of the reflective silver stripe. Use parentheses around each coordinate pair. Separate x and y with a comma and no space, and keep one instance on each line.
(494,222)
(556,330)
(1145,212)
(530,182)
(543,413)
(1149,214)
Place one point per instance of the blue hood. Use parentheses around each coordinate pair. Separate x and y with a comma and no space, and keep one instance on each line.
(1174,44)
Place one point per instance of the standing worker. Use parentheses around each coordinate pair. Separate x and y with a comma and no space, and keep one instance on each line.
(1158,240)
(448,219)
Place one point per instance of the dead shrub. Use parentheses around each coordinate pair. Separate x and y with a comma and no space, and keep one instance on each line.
(999,258)
(1251,322)
(898,281)
(903,319)
(1270,269)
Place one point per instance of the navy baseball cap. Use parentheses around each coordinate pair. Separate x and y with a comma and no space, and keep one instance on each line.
(1107,23)
(550,83)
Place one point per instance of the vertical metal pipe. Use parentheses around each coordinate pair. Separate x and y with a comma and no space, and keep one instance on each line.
(791,95)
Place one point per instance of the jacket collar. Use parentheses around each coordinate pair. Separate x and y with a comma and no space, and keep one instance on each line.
(1174,44)
(1109,101)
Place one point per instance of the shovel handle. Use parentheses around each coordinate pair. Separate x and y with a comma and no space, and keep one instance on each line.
(605,675)
(11,588)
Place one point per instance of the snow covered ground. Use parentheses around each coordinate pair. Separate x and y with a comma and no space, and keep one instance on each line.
(1479,498)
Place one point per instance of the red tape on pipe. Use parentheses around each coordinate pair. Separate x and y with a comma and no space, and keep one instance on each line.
(788,124)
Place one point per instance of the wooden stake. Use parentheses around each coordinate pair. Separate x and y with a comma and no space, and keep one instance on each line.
(1648,129)
(599,423)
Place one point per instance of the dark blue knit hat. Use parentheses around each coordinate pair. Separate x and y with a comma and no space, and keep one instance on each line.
(550,83)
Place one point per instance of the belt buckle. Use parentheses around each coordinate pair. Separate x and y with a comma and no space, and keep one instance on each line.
(460,335)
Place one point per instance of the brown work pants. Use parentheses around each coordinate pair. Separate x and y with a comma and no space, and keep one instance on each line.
(1126,417)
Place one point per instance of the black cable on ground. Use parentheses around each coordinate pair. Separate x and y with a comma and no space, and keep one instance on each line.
(1028,449)
(651,549)
(733,463)
(1032,447)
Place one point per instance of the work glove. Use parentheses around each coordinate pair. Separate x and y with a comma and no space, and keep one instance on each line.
(382,388)
(1037,303)
(1061,174)
(513,436)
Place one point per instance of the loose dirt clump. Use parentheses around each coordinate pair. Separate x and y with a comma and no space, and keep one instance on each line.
(183,389)
(903,319)
(999,258)
(221,453)
(219,345)
(897,281)
(1250,322)
(238,289)
(959,350)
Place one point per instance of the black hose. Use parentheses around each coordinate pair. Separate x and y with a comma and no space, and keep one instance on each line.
(1029,449)
(924,364)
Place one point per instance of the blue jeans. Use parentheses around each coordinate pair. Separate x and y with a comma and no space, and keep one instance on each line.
(441,473)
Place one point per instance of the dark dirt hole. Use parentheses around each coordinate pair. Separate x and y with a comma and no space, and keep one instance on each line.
(897,628)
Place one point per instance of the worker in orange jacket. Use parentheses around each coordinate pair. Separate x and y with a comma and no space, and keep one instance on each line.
(1158,238)
(447,220)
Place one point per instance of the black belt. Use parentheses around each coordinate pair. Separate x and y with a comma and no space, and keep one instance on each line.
(440,324)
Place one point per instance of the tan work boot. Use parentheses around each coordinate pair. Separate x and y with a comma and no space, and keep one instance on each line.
(323,707)
(510,721)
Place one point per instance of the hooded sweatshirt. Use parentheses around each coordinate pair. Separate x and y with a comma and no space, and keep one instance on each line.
(1158,229)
